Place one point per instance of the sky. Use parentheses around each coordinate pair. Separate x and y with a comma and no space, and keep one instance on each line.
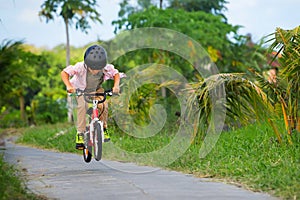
(19,21)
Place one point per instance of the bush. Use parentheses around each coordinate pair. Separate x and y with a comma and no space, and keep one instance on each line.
(46,110)
(11,118)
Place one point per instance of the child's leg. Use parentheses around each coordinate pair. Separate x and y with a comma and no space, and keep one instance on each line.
(81,114)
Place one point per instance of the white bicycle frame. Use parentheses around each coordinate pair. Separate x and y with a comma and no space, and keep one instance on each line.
(94,120)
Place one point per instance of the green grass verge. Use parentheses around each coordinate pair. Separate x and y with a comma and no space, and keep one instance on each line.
(12,184)
(250,157)
(57,136)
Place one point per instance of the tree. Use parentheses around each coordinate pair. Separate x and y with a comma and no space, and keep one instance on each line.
(203,21)
(126,8)
(17,74)
(255,97)
(208,6)
(245,100)
(71,11)
(287,88)
(209,30)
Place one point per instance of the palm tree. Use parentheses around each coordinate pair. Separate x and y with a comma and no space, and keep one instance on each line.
(251,98)
(288,89)
(244,101)
(71,11)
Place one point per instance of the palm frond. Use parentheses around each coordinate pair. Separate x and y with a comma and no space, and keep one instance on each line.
(289,43)
(244,101)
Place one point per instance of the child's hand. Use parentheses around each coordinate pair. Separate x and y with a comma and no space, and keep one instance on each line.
(71,90)
(116,89)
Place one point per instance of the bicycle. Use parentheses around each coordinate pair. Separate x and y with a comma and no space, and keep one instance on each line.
(94,135)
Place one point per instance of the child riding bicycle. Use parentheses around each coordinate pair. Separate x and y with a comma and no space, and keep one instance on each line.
(88,76)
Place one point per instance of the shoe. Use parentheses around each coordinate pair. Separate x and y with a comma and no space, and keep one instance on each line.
(106,135)
(79,141)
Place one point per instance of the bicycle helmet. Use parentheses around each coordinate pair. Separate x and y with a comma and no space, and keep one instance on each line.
(95,57)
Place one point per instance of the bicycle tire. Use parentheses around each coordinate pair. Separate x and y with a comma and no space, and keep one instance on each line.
(98,142)
(87,155)
(87,150)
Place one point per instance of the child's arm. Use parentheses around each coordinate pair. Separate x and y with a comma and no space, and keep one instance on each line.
(65,78)
(116,88)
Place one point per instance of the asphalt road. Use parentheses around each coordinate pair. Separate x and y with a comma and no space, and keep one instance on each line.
(66,176)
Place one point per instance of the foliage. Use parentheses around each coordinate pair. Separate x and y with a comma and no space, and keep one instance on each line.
(231,52)
(208,29)
(17,75)
(126,8)
(287,88)
(17,69)
(9,53)
(11,118)
(59,136)
(242,55)
(208,6)
(71,11)
(248,101)
(243,101)
(243,97)
(36,74)
(46,110)
(140,103)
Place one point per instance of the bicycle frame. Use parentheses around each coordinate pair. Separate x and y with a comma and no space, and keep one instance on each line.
(95,119)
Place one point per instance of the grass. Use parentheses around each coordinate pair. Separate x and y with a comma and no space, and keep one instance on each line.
(12,184)
(249,157)
(252,158)
(59,136)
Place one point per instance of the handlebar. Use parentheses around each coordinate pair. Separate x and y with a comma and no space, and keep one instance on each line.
(89,97)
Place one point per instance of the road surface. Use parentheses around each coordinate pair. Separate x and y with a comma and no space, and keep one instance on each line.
(66,176)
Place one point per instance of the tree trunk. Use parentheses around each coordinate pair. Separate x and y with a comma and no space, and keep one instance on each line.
(68,43)
(22,107)
(70,113)
(160,4)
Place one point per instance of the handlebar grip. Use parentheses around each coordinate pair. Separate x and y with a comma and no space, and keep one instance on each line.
(109,92)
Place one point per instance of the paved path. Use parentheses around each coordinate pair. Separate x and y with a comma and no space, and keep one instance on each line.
(66,176)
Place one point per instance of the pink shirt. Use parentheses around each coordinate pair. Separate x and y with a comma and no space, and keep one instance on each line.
(78,73)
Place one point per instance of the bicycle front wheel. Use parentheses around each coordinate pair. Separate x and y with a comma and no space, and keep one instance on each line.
(87,155)
(87,151)
(98,142)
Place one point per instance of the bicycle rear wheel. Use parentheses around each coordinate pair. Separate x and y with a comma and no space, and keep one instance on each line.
(98,142)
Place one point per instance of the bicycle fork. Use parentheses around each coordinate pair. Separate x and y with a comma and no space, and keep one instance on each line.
(94,120)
